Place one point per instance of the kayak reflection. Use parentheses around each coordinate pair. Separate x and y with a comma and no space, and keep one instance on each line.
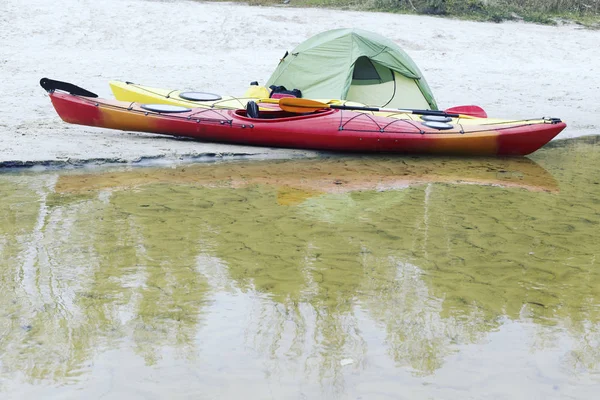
(297,180)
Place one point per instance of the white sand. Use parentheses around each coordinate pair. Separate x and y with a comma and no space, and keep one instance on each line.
(510,69)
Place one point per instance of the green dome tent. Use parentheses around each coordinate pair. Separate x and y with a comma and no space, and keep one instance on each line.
(355,65)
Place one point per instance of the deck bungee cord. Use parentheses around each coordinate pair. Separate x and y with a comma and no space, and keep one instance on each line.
(194,113)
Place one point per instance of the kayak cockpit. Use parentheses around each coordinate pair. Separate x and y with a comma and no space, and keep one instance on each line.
(277,114)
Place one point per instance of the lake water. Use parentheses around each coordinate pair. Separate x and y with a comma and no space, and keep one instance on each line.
(342,277)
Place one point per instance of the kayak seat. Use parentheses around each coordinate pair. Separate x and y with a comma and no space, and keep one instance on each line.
(281,95)
(252,110)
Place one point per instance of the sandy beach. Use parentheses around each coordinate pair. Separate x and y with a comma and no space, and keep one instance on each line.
(510,69)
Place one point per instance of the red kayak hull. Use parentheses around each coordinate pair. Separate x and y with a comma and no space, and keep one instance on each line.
(328,129)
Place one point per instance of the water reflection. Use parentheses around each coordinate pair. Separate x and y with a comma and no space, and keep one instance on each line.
(369,260)
(300,179)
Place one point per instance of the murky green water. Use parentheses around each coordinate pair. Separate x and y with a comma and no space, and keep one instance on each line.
(350,277)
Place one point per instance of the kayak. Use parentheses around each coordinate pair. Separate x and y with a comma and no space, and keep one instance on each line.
(325,128)
(322,127)
(129,91)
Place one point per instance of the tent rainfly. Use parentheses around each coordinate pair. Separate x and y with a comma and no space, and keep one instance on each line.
(354,65)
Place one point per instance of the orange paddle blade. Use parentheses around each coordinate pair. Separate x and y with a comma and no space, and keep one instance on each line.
(296,105)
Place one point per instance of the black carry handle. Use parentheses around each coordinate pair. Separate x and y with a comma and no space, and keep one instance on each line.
(52,85)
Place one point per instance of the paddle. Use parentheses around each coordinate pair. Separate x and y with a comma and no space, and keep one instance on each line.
(52,85)
(470,110)
(297,105)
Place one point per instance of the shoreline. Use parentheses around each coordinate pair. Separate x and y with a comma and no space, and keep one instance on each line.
(160,160)
(207,158)
(512,69)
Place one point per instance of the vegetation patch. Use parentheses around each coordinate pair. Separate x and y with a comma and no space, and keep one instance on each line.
(584,12)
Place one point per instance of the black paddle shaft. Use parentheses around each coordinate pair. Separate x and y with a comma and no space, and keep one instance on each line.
(52,85)
(418,112)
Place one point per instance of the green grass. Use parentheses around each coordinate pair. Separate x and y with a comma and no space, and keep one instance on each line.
(584,12)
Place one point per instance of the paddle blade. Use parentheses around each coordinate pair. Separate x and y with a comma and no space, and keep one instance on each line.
(51,85)
(296,105)
(470,110)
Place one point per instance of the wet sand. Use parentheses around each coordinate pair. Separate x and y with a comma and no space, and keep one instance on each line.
(511,69)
